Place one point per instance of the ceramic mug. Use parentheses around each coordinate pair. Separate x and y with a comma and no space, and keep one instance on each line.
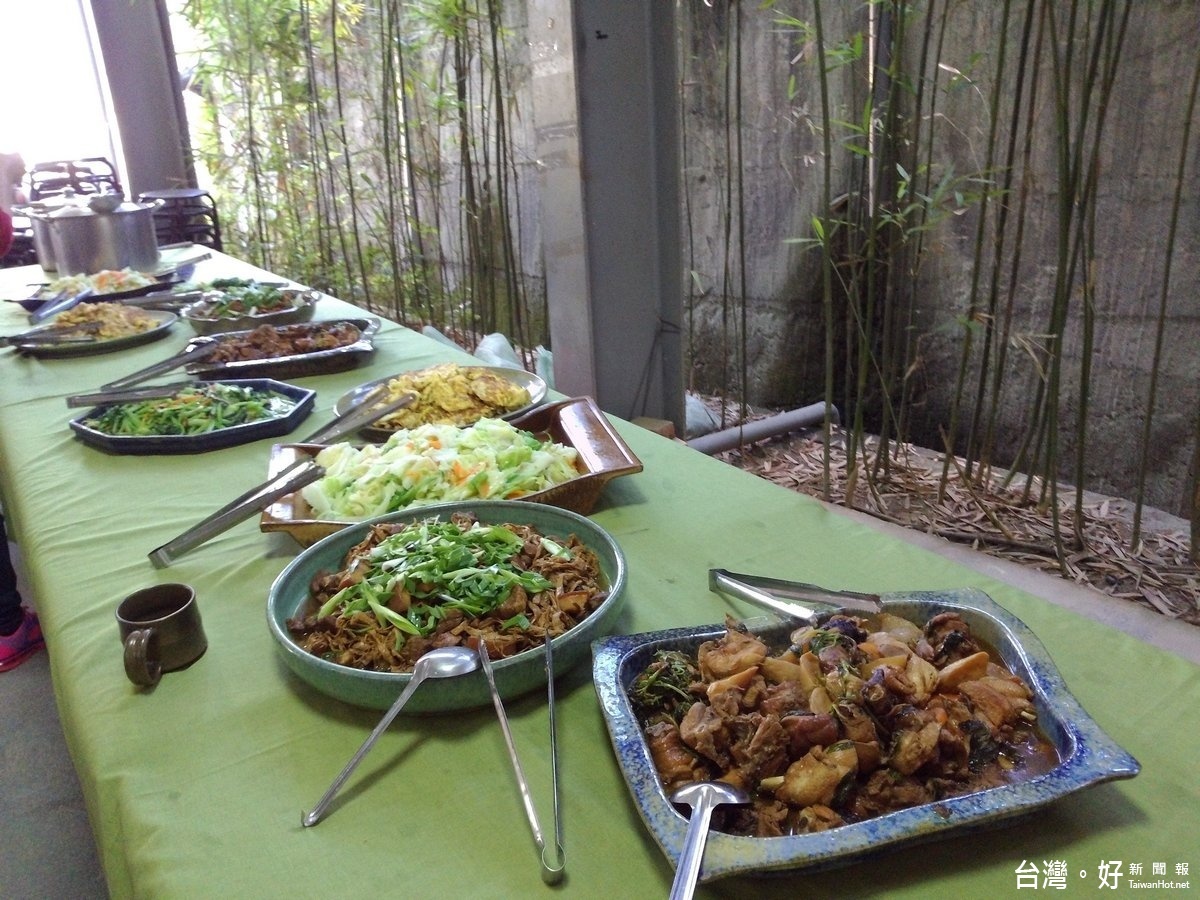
(161,629)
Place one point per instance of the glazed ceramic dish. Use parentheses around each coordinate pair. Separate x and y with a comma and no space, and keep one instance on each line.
(1087,755)
(577,423)
(515,675)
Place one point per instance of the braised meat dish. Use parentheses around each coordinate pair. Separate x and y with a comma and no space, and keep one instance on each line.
(854,719)
(278,341)
(407,588)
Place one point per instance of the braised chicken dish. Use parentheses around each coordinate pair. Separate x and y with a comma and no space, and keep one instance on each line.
(278,341)
(854,719)
(407,588)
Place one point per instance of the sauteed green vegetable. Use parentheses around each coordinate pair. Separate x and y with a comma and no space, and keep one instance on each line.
(196,410)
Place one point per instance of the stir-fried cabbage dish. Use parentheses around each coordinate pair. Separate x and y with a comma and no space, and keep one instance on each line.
(435,463)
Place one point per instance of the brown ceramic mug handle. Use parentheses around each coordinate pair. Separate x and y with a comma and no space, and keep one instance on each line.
(141,657)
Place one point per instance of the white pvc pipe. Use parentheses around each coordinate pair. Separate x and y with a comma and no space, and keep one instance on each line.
(773,426)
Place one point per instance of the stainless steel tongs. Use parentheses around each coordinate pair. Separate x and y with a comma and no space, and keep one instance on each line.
(81,334)
(131,395)
(361,415)
(191,353)
(292,478)
(789,597)
(57,304)
(553,857)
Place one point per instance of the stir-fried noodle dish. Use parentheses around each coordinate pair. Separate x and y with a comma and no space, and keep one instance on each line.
(852,720)
(407,588)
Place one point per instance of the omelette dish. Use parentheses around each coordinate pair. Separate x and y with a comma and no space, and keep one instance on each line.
(450,394)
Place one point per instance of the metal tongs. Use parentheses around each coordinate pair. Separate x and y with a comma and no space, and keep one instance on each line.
(292,478)
(789,597)
(57,304)
(552,856)
(50,336)
(361,415)
(193,352)
(167,301)
(133,395)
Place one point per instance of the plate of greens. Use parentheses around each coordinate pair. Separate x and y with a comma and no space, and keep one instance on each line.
(197,417)
(238,304)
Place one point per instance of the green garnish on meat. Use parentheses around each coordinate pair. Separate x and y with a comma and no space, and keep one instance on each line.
(431,568)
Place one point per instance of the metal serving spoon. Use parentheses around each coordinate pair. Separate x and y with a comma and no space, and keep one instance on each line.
(442,662)
(703,797)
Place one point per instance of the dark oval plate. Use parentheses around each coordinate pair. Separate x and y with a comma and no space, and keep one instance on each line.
(213,440)
(37,300)
(91,348)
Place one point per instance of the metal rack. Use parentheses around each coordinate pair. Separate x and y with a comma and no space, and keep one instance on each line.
(186,215)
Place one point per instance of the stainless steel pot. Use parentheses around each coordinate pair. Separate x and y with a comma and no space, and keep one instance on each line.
(86,241)
(43,242)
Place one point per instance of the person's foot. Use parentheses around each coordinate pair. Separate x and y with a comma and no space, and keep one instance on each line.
(15,648)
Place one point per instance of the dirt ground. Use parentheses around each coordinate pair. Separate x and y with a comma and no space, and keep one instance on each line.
(1000,520)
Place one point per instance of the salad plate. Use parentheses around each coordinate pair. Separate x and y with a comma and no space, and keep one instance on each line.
(218,309)
(296,408)
(98,292)
(602,455)
(1087,755)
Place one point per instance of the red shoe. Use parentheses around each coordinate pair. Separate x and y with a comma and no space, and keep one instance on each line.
(15,648)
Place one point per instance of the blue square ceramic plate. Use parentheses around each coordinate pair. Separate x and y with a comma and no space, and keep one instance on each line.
(1088,755)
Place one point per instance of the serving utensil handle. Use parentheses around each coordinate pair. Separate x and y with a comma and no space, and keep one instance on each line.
(100,398)
(554,858)
(294,477)
(188,354)
(522,783)
(788,597)
(309,819)
(360,415)
(687,872)
(57,305)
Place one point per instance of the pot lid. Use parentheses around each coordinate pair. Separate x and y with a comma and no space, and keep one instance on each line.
(69,211)
(74,211)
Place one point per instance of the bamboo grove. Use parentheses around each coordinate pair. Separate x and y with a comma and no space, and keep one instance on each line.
(383,153)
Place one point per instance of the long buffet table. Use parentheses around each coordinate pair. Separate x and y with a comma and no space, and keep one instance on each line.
(195,789)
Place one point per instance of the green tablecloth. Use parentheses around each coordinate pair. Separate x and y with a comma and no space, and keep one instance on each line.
(195,789)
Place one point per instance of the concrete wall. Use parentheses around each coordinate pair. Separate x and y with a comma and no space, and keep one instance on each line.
(1137,161)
